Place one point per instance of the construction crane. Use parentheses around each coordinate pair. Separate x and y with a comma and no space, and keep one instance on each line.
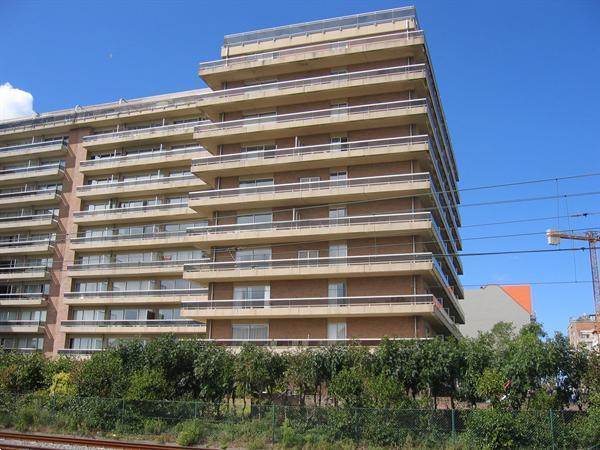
(592,238)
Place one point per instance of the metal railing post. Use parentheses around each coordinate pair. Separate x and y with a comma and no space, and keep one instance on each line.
(551,418)
(273,424)
(453,417)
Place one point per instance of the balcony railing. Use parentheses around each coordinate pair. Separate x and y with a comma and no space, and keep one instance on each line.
(310,262)
(137,264)
(23,269)
(321,26)
(79,351)
(339,149)
(131,134)
(137,156)
(337,46)
(27,217)
(32,145)
(378,300)
(147,181)
(23,296)
(312,185)
(137,293)
(132,323)
(21,323)
(82,238)
(20,349)
(107,111)
(300,342)
(341,113)
(30,192)
(316,81)
(25,243)
(313,223)
(130,209)
(32,169)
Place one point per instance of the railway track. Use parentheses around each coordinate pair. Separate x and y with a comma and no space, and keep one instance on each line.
(22,441)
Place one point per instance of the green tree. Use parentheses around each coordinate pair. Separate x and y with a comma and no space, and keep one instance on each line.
(490,386)
(213,370)
(102,376)
(476,358)
(347,386)
(525,364)
(301,373)
(148,384)
(257,370)
(22,373)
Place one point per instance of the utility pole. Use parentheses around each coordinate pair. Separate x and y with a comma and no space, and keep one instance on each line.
(592,238)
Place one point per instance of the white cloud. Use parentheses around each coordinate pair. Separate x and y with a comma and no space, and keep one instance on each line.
(14,102)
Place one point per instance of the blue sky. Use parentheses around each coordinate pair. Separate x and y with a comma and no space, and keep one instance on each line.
(519,84)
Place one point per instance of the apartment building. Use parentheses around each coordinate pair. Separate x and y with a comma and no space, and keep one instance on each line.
(581,332)
(307,197)
(484,307)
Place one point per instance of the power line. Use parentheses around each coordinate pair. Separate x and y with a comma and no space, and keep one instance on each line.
(491,253)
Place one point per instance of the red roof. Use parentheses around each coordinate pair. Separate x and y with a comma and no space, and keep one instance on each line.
(520,294)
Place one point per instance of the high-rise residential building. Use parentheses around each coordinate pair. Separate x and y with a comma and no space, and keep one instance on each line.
(486,306)
(581,332)
(307,197)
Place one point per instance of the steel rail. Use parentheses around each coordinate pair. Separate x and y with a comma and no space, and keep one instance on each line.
(89,442)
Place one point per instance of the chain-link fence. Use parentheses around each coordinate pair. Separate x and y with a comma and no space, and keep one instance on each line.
(304,426)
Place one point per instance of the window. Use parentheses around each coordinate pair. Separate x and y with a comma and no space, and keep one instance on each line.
(338,178)
(310,182)
(255,183)
(258,150)
(87,314)
(339,143)
(94,259)
(251,296)
(336,329)
(85,343)
(337,212)
(91,286)
(260,115)
(97,206)
(262,256)
(177,284)
(254,331)
(338,253)
(308,257)
(339,108)
(307,254)
(337,293)
(257,217)
(169,314)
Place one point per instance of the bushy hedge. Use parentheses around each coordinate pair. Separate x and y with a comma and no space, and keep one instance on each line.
(388,396)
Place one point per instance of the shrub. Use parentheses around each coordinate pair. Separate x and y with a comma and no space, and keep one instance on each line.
(25,419)
(62,384)
(492,428)
(290,438)
(102,376)
(191,432)
(153,426)
(149,384)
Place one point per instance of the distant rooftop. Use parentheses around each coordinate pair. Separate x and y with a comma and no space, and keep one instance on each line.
(318,26)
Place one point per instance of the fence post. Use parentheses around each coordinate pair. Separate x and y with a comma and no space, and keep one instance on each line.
(122,412)
(453,420)
(551,417)
(273,423)
(195,410)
